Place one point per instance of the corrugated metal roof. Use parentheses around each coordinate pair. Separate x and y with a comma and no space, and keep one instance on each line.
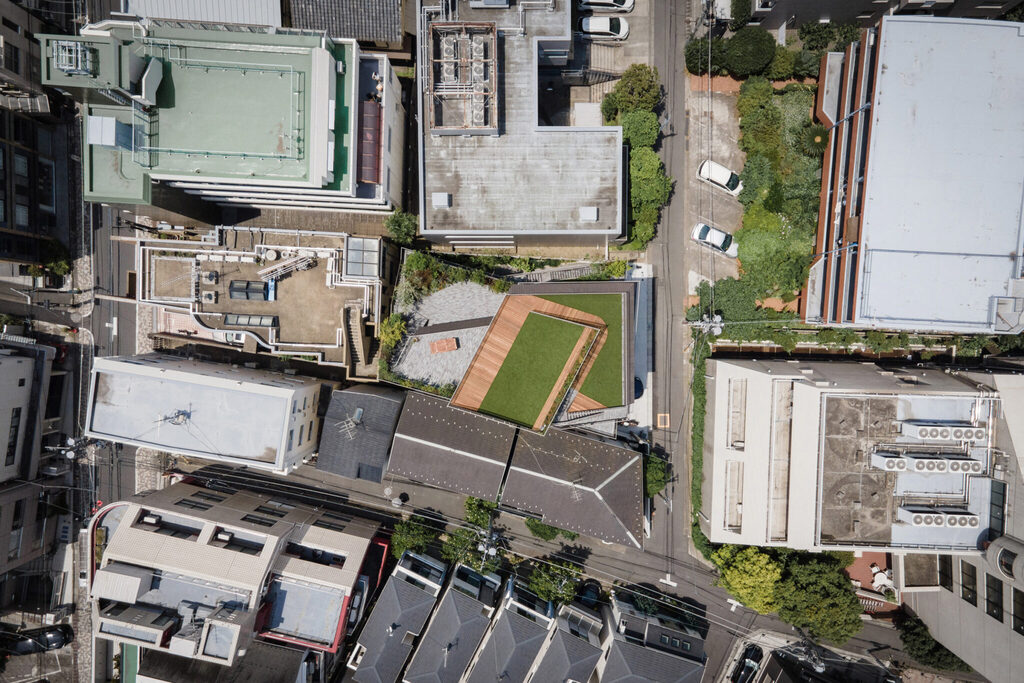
(369,20)
(258,12)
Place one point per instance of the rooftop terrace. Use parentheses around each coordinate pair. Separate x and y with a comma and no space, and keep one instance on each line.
(515,175)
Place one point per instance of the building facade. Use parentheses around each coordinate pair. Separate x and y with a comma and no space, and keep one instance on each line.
(771,14)
(243,416)
(170,106)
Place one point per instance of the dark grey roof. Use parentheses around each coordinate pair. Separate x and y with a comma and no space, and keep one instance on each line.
(450,448)
(630,663)
(403,608)
(588,486)
(510,650)
(450,640)
(263,662)
(359,449)
(568,658)
(369,20)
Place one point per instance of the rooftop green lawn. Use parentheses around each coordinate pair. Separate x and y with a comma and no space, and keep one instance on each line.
(531,369)
(604,381)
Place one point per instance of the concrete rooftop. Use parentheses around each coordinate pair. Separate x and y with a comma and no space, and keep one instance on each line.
(530,178)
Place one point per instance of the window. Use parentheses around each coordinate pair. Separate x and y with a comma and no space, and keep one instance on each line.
(11,25)
(946,571)
(305,399)
(994,597)
(997,506)
(333,521)
(676,642)
(1018,611)
(968,583)
(212,497)
(12,58)
(1006,558)
(664,639)
(291,435)
(301,428)
(21,165)
(309,432)
(294,406)
(12,437)
(19,514)
(273,512)
(193,504)
(21,381)
(21,215)
(259,521)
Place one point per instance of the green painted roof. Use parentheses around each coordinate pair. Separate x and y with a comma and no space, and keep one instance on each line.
(230,106)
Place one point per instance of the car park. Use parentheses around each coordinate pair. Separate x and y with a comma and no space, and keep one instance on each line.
(715,239)
(714,173)
(604,28)
(606,5)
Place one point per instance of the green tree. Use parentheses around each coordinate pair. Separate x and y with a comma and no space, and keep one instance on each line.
(697,56)
(817,596)
(814,139)
(919,644)
(543,531)
(740,14)
(755,93)
(392,329)
(749,52)
(640,128)
(554,581)
(648,184)
(656,475)
(479,511)
(782,63)
(638,89)
(413,536)
(817,36)
(402,227)
(462,546)
(807,64)
(844,35)
(761,133)
(750,574)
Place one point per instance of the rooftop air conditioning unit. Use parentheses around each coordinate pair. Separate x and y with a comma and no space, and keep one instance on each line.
(927,519)
(976,467)
(224,536)
(151,519)
(962,519)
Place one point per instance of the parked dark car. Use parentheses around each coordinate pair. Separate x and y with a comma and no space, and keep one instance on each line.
(36,640)
(748,665)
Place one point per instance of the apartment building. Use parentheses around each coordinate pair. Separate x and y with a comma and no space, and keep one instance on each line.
(239,415)
(820,455)
(197,116)
(503,160)
(905,150)
(773,14)
(206,575)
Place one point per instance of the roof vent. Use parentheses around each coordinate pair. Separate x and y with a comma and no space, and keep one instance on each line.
(441,200)
(588,214)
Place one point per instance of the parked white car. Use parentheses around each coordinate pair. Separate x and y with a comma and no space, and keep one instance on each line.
(604,28)
(606,5)
(719,176)
(716,239)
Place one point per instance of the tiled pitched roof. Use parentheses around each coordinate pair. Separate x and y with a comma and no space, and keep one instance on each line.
(369,20)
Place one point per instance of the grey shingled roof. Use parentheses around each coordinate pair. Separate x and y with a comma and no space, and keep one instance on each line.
(359,450)
(404,607)
(368,20)
(510,650)
(629,663)
(458,627)
(263,663)
(450,448)
(588,486)
(568,658)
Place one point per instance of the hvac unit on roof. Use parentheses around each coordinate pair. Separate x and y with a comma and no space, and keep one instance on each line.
(976,467)
(151,519)
(224,536)
(962,519)
(927,519)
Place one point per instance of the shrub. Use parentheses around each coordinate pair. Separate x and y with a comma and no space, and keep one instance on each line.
(806,64)
(392,329)
(648,184)
(814,139)
(638,89)
(411,535)
(817,36)
(640,128)
(657,475)
(749,52)
(697,56)
(740,14)
(543,531)
(756,176)
(761,133)
(919,644)
(610,106)
(55,257)
(782,63)
(402,227)
(755,93)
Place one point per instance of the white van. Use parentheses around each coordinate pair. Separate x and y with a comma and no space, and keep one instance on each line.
(719,176)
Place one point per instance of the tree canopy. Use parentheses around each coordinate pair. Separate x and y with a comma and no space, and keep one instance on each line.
(648,184)
(640,128)
(554,581)
(815,595)
(750,574)
(749,51)
(402,227)
(919,644)
(638,89)
(412,535)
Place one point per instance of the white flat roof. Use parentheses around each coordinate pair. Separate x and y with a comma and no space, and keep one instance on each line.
(218,421)
(942,221)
